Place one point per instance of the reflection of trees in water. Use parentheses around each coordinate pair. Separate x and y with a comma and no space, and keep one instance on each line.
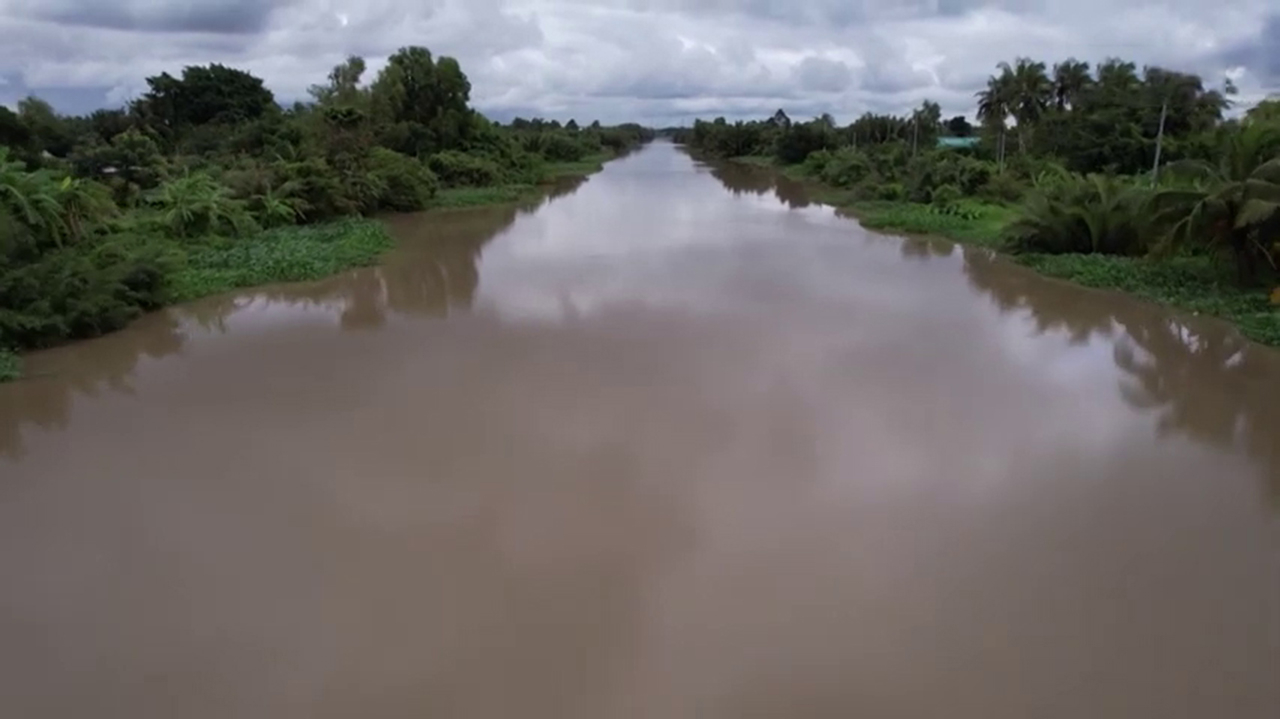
(1053,306)
(1204,380)
(744,179)
(45,397)
(923,248)
(432,271)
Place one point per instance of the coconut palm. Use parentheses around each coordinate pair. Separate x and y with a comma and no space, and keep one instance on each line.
(1234,207)
(995,104)
(1070,79)
(1031,91)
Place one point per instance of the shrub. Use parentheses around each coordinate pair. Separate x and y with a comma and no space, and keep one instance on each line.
(1093,214)
(845,167)
(10,365)
(80,291)
(316,187)
(408,185)
(946,195)
(459,169)
(197,204)
(1003,187)
(890,191)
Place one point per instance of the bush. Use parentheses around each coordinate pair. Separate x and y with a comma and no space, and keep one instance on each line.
(197,204)
(1003,187)
(845,167)
(81,290)
(10,365)
(1086,215)
(459,169)
(317,187)
(408,185)
(561,146)
(946,195)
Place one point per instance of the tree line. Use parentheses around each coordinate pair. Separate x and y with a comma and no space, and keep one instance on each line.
(1096,159)
(100,214)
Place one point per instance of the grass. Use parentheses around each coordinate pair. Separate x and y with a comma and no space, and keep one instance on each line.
(10,366)
(290,254)
(586,166)
(970,221)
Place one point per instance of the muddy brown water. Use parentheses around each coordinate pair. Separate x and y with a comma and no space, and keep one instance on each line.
(671,443)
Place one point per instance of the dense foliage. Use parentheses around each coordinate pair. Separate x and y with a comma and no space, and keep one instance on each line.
(1104,160)
(195,186)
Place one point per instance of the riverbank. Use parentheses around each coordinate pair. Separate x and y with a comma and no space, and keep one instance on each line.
(209,266)
(460,197)
(1192,283)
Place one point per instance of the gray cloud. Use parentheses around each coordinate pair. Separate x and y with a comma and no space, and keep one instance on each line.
(212,16)
(1261,54)
(822,75)
(653,60)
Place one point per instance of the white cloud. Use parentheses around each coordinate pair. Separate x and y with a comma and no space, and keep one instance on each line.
(653,60)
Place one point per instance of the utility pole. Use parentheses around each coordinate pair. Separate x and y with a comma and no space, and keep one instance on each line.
(1155,170)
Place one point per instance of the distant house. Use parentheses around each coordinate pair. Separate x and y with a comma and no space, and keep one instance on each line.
(958,143)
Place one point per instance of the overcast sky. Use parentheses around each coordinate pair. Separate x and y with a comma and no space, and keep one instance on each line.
(656,61)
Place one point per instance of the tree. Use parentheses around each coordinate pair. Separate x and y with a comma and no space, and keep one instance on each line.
(1235,208)
(927,121)
(14,134)
(959,126)
(1267,111)
(129,164)
(204,95)
(995,103)
(343,87)
(49,132)
(1071,79)
(426,98)
(1029,94)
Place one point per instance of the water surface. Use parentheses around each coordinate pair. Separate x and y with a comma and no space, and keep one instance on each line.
(672,443)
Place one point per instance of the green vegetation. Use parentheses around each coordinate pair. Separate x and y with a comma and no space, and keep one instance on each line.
(1196,284)
(205,184)
(10,366)
(585,166)
(1105,176)
(287,254)
(972,222)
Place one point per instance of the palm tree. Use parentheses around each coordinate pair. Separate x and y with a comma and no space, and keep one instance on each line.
(1070,79)
(1118,78)
(1234,206)
(995,104)
(1031,91)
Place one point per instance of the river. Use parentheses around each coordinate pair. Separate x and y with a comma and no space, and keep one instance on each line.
(670,443)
